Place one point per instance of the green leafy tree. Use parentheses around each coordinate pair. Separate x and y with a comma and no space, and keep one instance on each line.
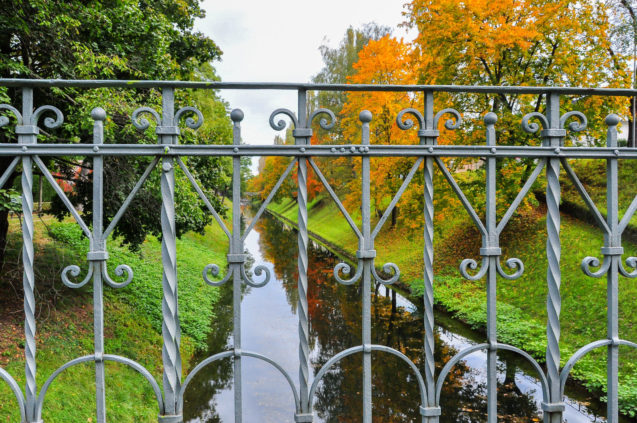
(123,39)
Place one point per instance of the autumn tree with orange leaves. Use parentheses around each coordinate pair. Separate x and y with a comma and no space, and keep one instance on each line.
(476,42)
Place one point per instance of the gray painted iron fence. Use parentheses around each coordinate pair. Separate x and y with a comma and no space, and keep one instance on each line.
(551,157)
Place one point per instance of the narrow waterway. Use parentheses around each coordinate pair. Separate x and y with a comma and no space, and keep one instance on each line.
(269,326)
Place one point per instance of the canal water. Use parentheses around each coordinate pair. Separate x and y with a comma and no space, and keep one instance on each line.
(269,326)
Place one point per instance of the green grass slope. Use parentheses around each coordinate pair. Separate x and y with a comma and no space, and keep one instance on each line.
(132,323)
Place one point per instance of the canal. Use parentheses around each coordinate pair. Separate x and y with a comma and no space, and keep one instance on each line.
(269,326)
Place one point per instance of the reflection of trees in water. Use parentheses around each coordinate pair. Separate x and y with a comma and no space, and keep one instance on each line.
(216,376)
(335,325)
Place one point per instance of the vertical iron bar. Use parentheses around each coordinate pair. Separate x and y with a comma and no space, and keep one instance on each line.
(613,242)
(491,248)
(428,255)
(170,326)
(553,250)
(304,349)
(236,247)
(98,244)
(366,117)
(28,279)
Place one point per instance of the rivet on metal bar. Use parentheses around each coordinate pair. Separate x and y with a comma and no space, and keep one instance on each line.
(549,133)
(167,130)
(97,255)
(236,258)
(365,254)
(428,133)
(170,419)
(302,133)
(553,407)
(430,411)
(490,251)
(304,418)
(27,130)
(99,357)
(612,251)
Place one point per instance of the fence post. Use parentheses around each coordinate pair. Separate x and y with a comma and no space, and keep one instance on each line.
(236,258)
(613,249)
(27,135)
(98,244)
(302,136)
(491,250)
(430,139)
(552,138)
(366,117)
(171,331)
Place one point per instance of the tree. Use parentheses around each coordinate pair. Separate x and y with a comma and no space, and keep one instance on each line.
(513,42)
(383,61)
(338,67)
(623,37)
(110,39)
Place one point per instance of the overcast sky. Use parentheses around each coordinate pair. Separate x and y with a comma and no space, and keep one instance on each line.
(278,41)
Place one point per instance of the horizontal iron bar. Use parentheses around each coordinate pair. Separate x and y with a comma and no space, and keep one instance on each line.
(314,150)
(215,85)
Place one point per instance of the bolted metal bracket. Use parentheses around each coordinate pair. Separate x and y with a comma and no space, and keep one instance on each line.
(366,254)
(612,251)
(303,417)
(167,130)
(490,251)
(97,255)
(236,258)
(433,133)
(430,411)
(170,419)
(556,407)
(302,133)
(27,130)
(553,133)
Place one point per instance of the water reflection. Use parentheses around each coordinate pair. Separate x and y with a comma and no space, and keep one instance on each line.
(270,327)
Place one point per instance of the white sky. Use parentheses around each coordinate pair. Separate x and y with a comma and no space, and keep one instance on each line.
(278,41)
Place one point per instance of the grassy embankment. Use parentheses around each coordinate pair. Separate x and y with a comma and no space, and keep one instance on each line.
(521,303)
(133,321)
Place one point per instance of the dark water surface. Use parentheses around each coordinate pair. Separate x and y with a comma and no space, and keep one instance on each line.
(269,326)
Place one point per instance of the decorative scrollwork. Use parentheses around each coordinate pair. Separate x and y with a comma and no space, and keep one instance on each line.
(142,123)
(119,271)
(408,123)
(346,269)
(324,123)
(280,125)
(389,268)
(48,122)
(589,262)
(190,122)
(5,120)
(449,123)
(259,270)
(213,269)
(576,126)
(631,262)
(513,264)
(473,265)
(532,127)
(74,271)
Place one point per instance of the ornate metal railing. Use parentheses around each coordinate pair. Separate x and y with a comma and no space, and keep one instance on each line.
(551,156)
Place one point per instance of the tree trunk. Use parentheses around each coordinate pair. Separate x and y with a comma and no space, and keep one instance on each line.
(4,231)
